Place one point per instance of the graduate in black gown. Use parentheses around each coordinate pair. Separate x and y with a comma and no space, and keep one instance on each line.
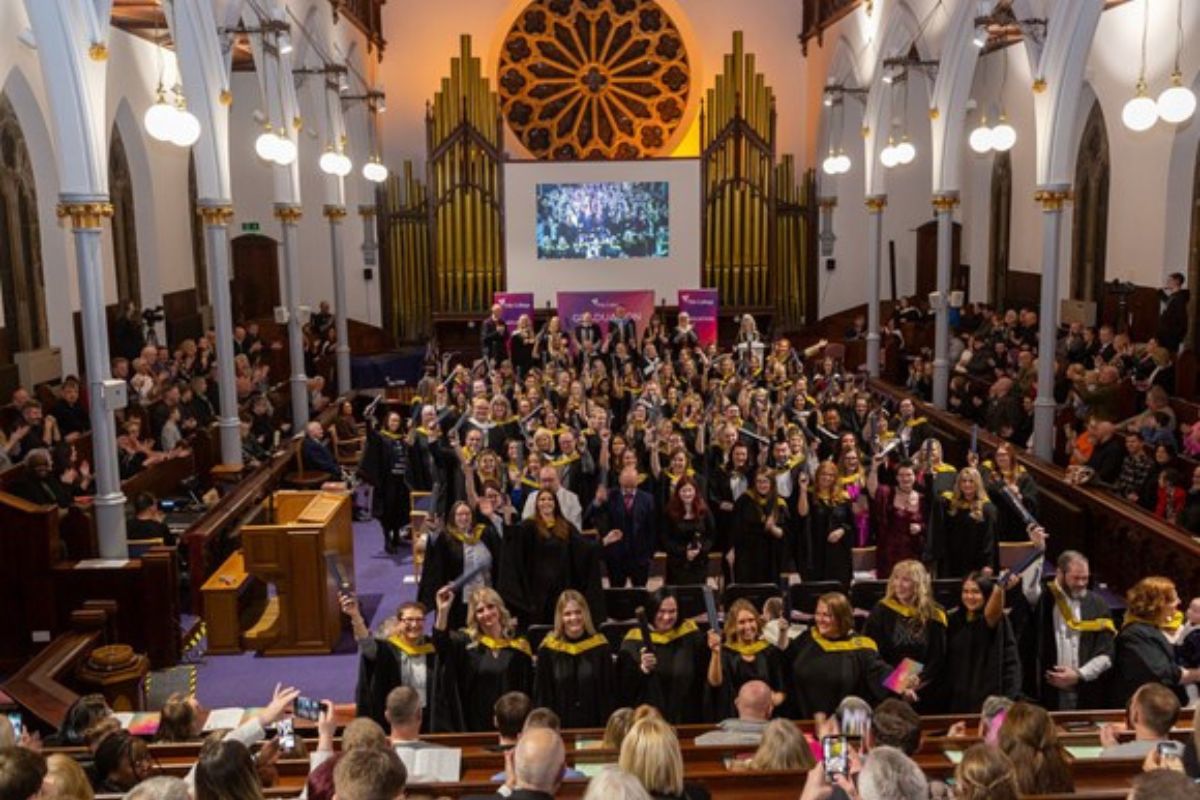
(907,623)
(828,661)
(669,673)
(464,543)
(1144,654)
(981,649)
(401,656)
(1003,478)
(385,465)
(576,676)
(688,536)
(544,556)
(742,655)
(965,538)
(759,517)
(829,527)
(484,661)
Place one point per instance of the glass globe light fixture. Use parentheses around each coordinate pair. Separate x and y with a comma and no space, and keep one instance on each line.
(829,165)
(375,171)
(1004,136)
(285,149)
(843,162)
(1177,102)
(905,152)
(264,145)
(328,161)
(1140,113)
(159,119)
(187,127)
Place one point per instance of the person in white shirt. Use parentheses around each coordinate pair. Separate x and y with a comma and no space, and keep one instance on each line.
(568,501)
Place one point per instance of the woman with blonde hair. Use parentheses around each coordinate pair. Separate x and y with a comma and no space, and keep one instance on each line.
(65,779)
(783,746)
(614,783)
(985,773)
(1144,654)
(828,525)
(651,754)
(464,543)
(575,673)
(1006,479)
(907,623)
(618,725)
(1030,739)
(742,656)
(486,660)
(964,539)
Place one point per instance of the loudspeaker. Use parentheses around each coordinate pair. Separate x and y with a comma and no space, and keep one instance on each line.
(368,274)
(831,264)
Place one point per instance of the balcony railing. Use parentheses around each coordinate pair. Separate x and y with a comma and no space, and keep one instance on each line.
(367,16)
(820,14)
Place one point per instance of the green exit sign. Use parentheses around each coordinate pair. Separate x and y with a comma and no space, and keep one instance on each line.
(249,227)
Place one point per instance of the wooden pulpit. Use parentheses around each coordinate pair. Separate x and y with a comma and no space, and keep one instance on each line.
(302,533)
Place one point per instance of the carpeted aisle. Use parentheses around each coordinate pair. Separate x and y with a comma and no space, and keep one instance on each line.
(247,680)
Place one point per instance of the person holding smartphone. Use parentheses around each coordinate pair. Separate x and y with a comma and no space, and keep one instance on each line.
(1151,715)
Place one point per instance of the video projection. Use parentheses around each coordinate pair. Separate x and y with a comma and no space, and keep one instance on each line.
(614,219)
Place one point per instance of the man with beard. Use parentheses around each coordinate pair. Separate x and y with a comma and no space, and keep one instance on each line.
(1067,641)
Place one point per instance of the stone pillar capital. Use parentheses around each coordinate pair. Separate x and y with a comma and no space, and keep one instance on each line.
(876,203)
(366,211)
(827,202)
(87,214)
(946,201)
(1053,199)
(334,213)
(288,213)
(215,215)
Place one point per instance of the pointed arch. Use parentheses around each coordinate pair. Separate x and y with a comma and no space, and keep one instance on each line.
(999,228)
(1090,222)
(124,223)
(22,283)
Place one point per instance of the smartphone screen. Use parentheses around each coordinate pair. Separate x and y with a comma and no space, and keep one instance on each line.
(308,708)
(835,756)
(18,725)
(287,734)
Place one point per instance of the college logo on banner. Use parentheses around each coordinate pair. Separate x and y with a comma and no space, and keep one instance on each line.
(702,306)
(639,306)
(512,306)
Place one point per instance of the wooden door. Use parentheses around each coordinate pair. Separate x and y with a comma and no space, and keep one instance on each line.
(255,289)
(927,258)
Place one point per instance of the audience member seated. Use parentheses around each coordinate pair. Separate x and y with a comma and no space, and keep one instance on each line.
(316,455)
(651,754)
(782,746)
(147,522)
(1153,711)
(181,720)
(69,413)
(754,708)
(369,774)
(32,432)
(74,473)
(1029,738)
(66,779)
(22,773)
(38,484)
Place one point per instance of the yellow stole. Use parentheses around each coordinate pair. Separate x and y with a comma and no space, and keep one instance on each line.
(466,538)
(906,611)
(1084,625)
(552,642)
(520,643)
(422,649)
(1172,624)
(843,645)
(657,637)
(747,649)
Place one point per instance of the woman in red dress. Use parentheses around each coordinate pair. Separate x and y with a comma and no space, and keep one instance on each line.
(900,517)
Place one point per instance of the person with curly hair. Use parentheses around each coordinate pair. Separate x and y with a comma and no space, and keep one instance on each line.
(1144,654)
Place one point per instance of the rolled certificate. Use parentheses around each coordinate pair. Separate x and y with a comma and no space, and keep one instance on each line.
(1015,496)
(644,627)
(470,575)
(710,607)
(975,438)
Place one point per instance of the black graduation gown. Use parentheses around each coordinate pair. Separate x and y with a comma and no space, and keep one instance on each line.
(1143,655)
(829,561)
(1010,525)
(677,536)
(821,672)
(757,554)
(767,666)
(1039,650)
(980,661)
(576,679)
(479,672)
(538,568)
(385,464)
(964,544)
(676,685)
(900,636)
(379,675)
(444,563)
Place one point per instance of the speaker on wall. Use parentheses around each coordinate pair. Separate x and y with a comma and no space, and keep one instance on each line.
(368,274)
(831,264)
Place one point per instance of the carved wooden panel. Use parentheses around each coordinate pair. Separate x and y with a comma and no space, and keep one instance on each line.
(594,79)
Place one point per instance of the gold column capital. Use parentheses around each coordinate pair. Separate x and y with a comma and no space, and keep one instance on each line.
(334,213)
(866,131)
(98,51)
(225,98)
(85,215)
(286,214)
(934,113)
(215,215)
(944,202)
(827,202)
(366,211)
(1052,199)
(876,204)
(1039,85)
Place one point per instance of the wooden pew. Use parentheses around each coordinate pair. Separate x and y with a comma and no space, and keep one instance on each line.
(232,599)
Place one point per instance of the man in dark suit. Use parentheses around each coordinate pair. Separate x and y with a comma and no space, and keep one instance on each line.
(494,336)
(316,455)
(586,332)
(629,519)
(621,328)
(536,769)
(1173,322)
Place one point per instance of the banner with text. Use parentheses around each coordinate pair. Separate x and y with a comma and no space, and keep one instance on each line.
(639,306)
(512,306)
(701,305)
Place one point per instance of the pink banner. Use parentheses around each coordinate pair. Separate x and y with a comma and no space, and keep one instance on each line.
(638,305)
(701,305)
(512,306)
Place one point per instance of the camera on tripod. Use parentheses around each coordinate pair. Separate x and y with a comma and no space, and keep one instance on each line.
(152,316)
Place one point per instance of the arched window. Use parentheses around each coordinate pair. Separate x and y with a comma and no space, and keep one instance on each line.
(199,265)
(999,226)
(1089,233)
(124,223)
(22,287)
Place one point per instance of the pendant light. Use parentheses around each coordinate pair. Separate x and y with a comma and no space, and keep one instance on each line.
(1140,113)
(1177,102)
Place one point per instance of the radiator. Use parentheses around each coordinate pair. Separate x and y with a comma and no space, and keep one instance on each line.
(39,366)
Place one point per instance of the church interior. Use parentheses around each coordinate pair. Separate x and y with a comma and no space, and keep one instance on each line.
(599,398)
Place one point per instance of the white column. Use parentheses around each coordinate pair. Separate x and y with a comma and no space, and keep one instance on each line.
(87,218)
(289,218)
(875,206)
(341,310)
(1044,407)
(943,206)
(216,252)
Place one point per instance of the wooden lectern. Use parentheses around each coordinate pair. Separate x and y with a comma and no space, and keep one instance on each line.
(303,532)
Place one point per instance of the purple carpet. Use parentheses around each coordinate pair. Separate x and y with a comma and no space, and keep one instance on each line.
(247,680)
